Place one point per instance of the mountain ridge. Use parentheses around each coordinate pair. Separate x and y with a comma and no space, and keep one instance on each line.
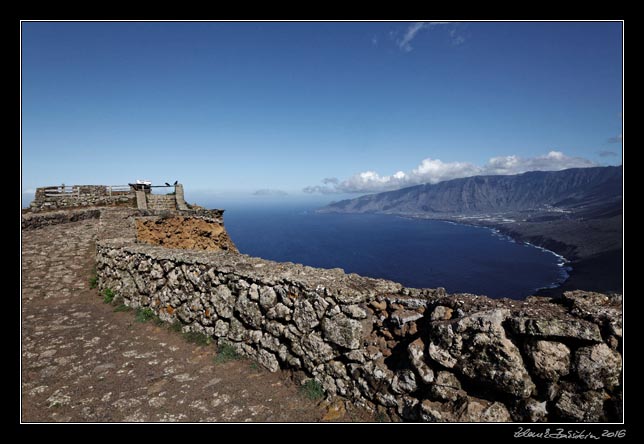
(576,213)
(539,191)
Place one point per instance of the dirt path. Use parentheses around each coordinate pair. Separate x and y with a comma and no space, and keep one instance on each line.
(82,361)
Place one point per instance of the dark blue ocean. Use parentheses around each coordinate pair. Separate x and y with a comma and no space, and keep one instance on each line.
(416,253)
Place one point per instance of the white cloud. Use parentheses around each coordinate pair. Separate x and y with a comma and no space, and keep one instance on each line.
(435,170)
(410,33)
(412,30)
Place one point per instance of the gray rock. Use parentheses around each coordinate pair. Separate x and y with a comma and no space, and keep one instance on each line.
(253,292)
(441,313)
(416,353)
(404,382)
(223,300)
(535,411)
(580,407)
(317,349)
(280,311)
(267,297)
(557,328)
(401,317)
(477,347)
(249,311)
(304,316)
(479,410)
(343,331)
(354,311)
(221,328)
(598,366)
(446,387)
(550,360)
(237,331)
(268,360)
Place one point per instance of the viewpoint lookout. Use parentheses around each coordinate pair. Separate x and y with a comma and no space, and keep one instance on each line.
(134,195)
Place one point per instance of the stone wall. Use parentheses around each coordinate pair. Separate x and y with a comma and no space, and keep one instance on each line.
(80,196)
(418,354)
(161,202)
(31,221)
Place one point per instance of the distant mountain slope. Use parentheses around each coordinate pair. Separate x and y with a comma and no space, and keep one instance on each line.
(596,191)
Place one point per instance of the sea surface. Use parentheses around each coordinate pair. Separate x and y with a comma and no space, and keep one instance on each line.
(417,253)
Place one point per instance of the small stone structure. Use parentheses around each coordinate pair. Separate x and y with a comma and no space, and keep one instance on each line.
(78,196)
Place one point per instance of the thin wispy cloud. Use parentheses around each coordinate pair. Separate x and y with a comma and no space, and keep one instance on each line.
(607,153)
(435,170)
(413,30)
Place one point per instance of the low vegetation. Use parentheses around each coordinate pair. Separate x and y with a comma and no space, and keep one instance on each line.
(144,314)
(108,296)
(312,390)
(197,338)
(122,307)
(226,353)
(93,280)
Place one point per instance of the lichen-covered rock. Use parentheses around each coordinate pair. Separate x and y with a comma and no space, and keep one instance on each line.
(534,411)
(554,328)
(580,407)
(267,297)
(317,349)
(249,311)
(441,313)
(268,360)
(416,353)
(470,409)
(477,347)
(446,387)
(223,301)
(304,316)
(402,317)
(598,366)
(550,360)
(279,311)
(221,328)
(404,382)
(354,311)
(479,410)
(605,310)
(343,331)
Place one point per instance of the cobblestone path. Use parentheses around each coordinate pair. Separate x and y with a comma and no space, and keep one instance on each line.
(82,361)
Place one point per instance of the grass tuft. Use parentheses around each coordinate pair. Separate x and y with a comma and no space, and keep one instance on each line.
(313,390)
(197,338)
(93,280)
(176,326)
(226,353)
(108,296)
(122,307)
(144,314)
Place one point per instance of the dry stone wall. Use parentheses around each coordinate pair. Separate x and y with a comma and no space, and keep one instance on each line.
(31,221)
(83,196)
(421,354)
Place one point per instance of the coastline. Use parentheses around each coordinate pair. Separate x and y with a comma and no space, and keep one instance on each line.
(601,271)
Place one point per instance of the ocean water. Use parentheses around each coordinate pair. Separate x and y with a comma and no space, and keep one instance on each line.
(416,253)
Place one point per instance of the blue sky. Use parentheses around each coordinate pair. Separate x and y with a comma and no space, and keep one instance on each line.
(315,110)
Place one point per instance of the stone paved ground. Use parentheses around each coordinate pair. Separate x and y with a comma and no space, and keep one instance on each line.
(82,361)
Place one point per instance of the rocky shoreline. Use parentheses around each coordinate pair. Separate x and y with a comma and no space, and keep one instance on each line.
(598,270)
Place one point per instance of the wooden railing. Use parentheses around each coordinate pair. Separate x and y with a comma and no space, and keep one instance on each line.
(76,190)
